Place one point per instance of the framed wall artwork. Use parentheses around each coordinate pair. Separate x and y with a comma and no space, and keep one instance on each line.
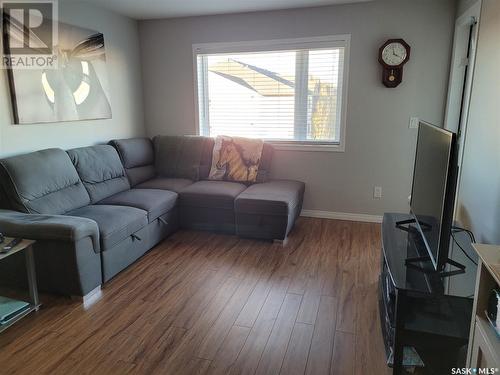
(77,89)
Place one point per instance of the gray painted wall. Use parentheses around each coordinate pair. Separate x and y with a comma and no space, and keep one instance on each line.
(479,193)
(123,60)
(379,145)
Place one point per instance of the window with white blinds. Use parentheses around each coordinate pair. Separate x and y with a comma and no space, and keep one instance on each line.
(289,91)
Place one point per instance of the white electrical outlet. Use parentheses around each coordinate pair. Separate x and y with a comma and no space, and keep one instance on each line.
(377,192)
(413,124)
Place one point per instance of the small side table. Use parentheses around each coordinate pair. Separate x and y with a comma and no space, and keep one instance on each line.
(484,343)
(27,247)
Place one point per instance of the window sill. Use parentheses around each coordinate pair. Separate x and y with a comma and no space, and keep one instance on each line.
(297,146)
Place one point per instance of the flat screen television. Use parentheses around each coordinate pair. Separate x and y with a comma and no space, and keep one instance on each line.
(433,190)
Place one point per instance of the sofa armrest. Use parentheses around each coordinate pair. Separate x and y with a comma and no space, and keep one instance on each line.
(49,227)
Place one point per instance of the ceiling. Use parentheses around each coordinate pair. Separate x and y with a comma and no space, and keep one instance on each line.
(147,9)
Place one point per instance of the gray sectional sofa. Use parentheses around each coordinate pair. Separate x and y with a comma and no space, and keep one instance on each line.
(95,210)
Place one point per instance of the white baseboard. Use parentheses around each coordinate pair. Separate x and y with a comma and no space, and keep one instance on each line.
(342,216)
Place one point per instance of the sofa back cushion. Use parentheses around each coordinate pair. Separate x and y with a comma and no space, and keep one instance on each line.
(42,182)
(264,173)
(101,171)
(137,156)
(180,156)
(206,158)
(168,151)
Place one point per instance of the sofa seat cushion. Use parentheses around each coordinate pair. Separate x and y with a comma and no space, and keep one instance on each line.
(155,202)
(279,197)
(115,223)
(211,194)
(165,183)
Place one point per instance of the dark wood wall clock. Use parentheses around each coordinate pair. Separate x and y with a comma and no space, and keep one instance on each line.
(393,55)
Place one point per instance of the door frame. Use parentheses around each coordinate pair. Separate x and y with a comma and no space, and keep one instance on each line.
(470,17)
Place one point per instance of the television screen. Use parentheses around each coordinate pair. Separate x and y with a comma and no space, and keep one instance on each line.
(433,190)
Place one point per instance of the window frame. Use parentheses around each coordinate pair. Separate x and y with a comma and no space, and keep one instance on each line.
(329,41)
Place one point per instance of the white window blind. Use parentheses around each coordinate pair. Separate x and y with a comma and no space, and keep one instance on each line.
(275,92)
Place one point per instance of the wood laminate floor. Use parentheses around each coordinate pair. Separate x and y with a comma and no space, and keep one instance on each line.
(203,303)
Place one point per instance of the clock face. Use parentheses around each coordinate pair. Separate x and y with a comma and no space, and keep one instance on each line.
(394,54)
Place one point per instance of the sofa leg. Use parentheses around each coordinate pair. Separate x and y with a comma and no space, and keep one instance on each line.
(282,242)
(89,298)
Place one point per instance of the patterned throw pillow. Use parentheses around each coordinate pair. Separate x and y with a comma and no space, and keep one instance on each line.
(236,159)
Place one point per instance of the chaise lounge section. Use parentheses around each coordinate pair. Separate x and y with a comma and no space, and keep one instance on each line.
(269,209)
(95,210)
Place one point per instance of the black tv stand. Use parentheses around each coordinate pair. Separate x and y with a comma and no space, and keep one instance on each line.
(410,262)
(401,224)
(422,309)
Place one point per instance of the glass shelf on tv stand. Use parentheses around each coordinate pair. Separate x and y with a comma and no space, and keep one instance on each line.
(409,268)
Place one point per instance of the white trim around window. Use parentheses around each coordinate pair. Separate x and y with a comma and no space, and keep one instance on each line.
(322,42)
